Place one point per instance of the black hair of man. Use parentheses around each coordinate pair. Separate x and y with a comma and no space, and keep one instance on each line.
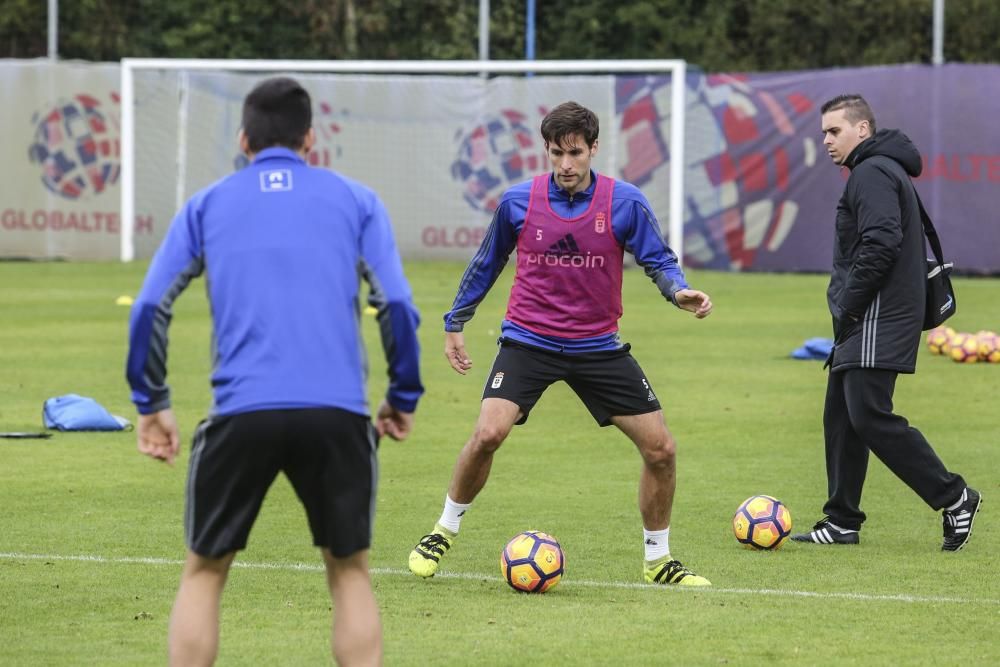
(567,119)
(855,108)
(277,112)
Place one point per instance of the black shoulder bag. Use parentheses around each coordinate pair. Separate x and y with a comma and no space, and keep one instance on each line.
(940,304)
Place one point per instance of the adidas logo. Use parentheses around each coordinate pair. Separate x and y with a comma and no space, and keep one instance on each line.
(651,542)
(960,522)
(564,246)
(947,304)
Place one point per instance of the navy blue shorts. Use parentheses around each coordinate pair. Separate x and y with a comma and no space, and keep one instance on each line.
(610,384)
(328,455)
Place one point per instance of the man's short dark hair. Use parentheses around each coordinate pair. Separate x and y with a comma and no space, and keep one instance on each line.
(855,108)
(568,119)
(277,112)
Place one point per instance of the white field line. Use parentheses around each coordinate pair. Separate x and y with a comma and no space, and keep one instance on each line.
(394,572)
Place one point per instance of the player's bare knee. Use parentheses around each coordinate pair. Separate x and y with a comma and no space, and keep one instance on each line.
(661,455)
(489,437)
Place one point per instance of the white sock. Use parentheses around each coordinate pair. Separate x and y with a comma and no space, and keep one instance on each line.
(657,543)
(958,503)
(451,516)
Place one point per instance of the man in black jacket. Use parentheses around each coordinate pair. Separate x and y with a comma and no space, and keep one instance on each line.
(876,297)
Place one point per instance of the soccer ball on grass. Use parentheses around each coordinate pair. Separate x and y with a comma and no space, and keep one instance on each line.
(762,522)
(937,339)
(532,562)
(989,347)
(964,348)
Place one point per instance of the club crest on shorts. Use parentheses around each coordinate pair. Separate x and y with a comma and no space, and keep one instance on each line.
(497,380)
(599,222)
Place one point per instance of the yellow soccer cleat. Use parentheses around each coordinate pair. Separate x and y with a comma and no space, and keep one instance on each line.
(667,571)
(426,556)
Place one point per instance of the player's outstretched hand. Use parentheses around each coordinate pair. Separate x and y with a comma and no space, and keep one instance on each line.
(158,435)
(694,301)
(454,349)
(392,422)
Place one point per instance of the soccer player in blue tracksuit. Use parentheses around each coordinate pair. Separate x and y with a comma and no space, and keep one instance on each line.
(283,247)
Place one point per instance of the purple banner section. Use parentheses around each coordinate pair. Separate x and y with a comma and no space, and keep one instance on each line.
(761,191)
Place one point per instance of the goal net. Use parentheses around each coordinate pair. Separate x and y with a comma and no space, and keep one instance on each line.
(438,140)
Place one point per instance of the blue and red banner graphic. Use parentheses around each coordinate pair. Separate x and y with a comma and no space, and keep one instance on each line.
(760,191)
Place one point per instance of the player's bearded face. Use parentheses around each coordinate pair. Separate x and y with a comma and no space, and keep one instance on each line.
(570,160)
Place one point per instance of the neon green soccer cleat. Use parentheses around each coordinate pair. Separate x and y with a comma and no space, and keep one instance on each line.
(669,571)
(426,556)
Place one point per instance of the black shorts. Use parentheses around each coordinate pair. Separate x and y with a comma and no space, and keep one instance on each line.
(610,384)
(328,455)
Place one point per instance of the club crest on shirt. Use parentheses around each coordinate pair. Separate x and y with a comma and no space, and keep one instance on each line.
(599,222)
(497,380)
(276,180)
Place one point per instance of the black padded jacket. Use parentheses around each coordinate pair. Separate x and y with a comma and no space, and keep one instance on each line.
(876,292)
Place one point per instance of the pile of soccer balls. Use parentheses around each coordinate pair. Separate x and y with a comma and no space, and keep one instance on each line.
(965,348)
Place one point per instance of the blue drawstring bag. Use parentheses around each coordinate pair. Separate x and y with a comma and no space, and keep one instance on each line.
(80,413)
(814,348)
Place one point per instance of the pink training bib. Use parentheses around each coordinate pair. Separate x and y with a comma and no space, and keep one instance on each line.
(568,282)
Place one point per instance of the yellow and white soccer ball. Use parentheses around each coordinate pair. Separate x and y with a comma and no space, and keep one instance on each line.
(989,347)
(532,562)
(964,348)
(762,522)
(946,348)
(937,338)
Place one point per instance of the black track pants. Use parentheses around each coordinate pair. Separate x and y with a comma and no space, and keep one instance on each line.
(858,417)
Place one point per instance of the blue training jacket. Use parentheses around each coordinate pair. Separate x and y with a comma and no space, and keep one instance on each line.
(284,247)
(632,222)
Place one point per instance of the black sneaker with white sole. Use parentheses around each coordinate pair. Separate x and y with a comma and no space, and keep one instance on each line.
(825,532)
(958,522)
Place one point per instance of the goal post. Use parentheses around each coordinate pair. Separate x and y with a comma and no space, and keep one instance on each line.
(131,66)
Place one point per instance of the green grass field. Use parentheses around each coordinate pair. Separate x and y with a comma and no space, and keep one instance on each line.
(91,539)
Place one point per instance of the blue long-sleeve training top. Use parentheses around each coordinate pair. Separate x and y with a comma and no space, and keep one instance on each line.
(632,222)
(284,247)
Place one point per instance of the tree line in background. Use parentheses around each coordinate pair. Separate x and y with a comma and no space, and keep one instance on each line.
(716,35)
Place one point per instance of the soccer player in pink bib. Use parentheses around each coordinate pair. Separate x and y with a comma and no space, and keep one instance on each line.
(571,228)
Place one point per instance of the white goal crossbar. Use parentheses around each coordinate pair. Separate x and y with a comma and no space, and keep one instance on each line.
(676,68)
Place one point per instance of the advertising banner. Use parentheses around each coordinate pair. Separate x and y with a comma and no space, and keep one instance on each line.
(59,144)
(760,190)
